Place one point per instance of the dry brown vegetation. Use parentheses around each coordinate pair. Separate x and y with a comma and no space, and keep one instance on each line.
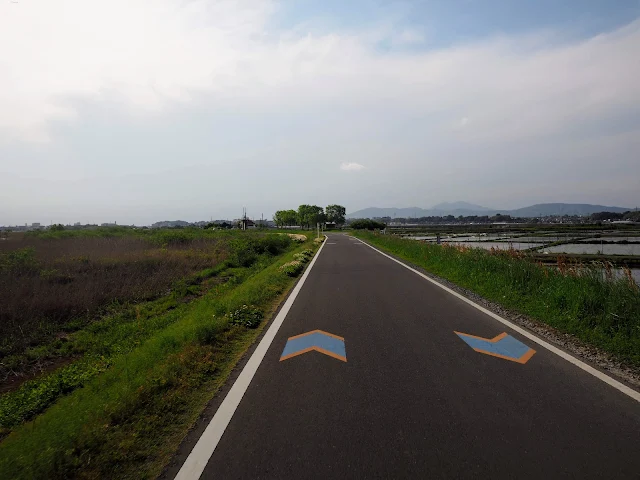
(46,283)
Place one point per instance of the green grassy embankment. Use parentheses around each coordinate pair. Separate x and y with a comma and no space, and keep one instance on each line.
(582,300)
(126,420)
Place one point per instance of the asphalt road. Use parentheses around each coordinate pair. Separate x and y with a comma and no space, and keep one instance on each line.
(413,400)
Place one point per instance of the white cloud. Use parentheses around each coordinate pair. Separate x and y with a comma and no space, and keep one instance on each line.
(128,87)
(148,56)
(351,167)
(408,37)
(145,54)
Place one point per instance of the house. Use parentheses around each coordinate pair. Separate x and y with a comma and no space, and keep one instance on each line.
(245,224)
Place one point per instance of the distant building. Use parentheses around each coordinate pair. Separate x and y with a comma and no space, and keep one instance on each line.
(246,224)
(170,223)
(35,225)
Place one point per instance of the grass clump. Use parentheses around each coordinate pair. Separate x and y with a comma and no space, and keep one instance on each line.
(246,316)
(296,237)
(583,300)
(292,268)
(209,332)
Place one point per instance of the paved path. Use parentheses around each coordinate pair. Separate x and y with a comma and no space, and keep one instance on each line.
(413,399)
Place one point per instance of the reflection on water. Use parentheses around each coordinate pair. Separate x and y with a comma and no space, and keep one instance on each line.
(635,273)
(593,249)
(486,245)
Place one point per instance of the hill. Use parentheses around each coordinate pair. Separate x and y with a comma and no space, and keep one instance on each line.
(467,209)
(546,209)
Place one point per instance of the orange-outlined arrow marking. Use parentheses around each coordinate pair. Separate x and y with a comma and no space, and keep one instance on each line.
(503,346)
(317,340)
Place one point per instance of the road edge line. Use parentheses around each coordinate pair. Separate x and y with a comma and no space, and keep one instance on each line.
(570,358)
(197,460)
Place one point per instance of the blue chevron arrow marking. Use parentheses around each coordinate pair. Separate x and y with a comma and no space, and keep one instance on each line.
(503,346)
(323,342)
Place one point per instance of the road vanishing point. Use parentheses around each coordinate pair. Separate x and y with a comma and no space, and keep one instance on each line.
(371,370)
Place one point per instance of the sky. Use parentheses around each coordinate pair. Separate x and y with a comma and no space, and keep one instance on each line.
(138,111)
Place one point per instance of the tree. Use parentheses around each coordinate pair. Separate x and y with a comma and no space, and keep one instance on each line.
(335,213)
(56,227)
(278,218)
(607,216)
(285,218)
(309,215)
(633,216)
(366,223)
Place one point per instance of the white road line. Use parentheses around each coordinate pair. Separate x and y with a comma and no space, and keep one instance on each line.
(201,453)
(569,358)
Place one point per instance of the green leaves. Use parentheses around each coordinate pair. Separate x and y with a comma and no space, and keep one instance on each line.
(335,214)
(246,316)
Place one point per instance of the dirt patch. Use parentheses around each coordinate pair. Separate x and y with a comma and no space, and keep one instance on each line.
(10,380)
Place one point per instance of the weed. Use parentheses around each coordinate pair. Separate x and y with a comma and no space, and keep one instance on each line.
(246,316)
(292,268)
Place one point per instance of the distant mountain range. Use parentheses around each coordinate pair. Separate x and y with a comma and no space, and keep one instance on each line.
(468,209)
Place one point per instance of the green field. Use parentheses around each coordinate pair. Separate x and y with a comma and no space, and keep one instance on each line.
(125,380)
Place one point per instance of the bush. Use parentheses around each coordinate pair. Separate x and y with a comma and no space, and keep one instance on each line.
(301,258)
(246,249)
(206,334)
(292,268)
(297,237)
(246,316)
(367,224)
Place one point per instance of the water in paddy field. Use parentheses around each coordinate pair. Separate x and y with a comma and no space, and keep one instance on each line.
(635,273)
(630,238)
(498,245)
(592,248)
(541,240)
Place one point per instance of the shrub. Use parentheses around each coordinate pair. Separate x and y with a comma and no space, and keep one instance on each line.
(246,316)
(300,257)
(292,268)
(19,261)
(367,224)
(297,237)
(318,240)
(206,334)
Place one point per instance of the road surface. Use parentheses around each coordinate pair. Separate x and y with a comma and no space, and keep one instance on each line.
(414,399)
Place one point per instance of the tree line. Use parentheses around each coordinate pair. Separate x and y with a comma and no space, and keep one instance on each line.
(308,216)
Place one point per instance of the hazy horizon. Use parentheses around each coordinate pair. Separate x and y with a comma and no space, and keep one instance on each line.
(136,112)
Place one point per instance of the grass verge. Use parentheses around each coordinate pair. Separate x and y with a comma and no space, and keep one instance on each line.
(128,420)
(574,298)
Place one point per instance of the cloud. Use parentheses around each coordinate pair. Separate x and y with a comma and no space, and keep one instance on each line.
(147,57)
(140,54)
(351,167)
(408,37)
(101,90)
